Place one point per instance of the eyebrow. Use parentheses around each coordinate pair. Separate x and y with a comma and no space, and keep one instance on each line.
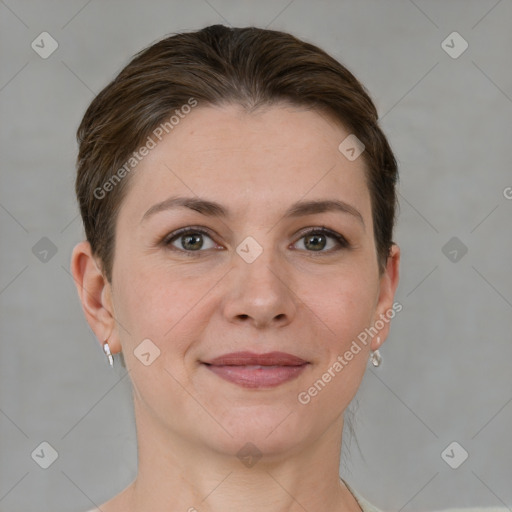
(213,209)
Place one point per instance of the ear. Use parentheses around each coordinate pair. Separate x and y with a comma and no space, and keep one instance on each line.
(387,287)
(95,294)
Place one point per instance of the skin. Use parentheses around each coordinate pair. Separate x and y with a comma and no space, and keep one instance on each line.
(196,306)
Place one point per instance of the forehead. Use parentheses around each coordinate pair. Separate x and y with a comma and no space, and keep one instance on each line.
(274,155)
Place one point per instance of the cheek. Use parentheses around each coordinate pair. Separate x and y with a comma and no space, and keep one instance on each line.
(156,301)
(165,304)
(344,302)
(345,307)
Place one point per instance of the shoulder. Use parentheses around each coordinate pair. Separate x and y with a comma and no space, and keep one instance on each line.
(365,505)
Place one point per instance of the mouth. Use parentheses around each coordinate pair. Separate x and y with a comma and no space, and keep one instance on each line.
(250,370)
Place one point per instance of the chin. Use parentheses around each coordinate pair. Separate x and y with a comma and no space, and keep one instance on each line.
(268,430)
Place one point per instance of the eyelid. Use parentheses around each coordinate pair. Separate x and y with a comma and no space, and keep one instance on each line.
(343,243)
(166,241)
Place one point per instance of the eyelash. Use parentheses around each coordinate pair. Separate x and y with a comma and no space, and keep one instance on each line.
(342,241)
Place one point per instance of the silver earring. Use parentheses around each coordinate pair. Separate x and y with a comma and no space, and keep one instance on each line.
(109,355)
(375,356)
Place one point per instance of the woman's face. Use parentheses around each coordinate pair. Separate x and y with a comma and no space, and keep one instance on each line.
(247,277)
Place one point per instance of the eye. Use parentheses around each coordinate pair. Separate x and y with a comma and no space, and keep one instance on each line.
(315,240)
(189,239)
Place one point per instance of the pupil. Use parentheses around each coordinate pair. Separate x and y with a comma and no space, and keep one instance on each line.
(315,238)
(193,245)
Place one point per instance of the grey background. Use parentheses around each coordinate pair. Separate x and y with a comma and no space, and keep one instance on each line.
(446,364)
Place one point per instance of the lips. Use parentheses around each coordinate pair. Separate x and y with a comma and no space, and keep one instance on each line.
(250,358)
(250,370)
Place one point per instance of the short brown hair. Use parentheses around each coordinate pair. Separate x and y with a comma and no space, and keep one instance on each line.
(251,67)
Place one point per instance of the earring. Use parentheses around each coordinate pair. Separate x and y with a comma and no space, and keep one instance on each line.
(109,355)
(375,356)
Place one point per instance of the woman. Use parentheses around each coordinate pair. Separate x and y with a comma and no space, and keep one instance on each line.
(238,198)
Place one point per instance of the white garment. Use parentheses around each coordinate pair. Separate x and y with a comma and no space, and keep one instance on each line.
(368,507)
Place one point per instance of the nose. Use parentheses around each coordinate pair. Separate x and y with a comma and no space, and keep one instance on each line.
(260,293)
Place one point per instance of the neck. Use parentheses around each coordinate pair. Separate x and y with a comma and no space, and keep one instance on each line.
(176,473)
